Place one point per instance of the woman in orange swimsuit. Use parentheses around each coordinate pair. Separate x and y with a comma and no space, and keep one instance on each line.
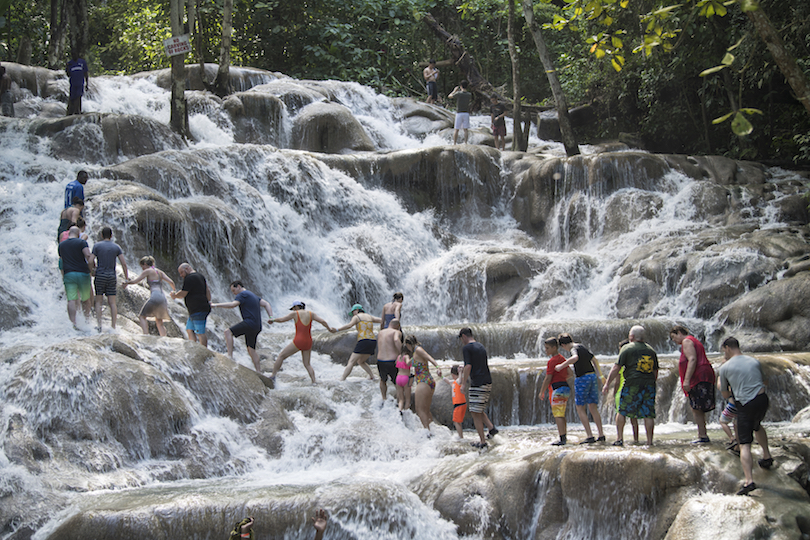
(303,336)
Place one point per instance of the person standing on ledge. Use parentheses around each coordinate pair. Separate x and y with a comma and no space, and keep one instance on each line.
(197,297)
(477,378)
(637,399)
(392,310)
(366,340)
(431,75)
(463,100)
(742,376)
(77,263)
(6,98)
(586,386)
(105,281)
(250,307)
(497,112)
(697,378)
(303,337)
(74,189)
(79,82)
(389,346)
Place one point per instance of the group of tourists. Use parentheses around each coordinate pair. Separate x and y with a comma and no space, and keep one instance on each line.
(633,380)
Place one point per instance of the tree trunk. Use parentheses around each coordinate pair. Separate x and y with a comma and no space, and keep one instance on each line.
(56,44)
(517,133)
(179,118)
(568,138)
(479,86)
(195,26)
(787,64)
(222,84)
(79,28)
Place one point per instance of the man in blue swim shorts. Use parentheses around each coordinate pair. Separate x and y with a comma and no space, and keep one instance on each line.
(77,261)
(637,399)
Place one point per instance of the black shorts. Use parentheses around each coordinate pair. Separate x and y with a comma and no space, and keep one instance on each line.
(749,418)
(366,346)
(433,89)
(701,397)
(244,329)
(105,285)
(387,369)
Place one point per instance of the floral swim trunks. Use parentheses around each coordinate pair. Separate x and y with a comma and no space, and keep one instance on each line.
(637,401)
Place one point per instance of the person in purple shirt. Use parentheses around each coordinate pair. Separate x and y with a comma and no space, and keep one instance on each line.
(250,306)
(79,82)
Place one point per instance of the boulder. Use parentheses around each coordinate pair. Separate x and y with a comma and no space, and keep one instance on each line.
(256,117)
(292,93)
(329,128)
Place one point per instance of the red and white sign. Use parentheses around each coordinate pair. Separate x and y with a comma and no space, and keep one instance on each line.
(177,45)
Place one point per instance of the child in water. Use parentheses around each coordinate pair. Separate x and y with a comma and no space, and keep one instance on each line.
(459,402)
(403,366)
(559,387)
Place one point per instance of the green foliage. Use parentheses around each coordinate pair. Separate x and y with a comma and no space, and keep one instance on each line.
(129,35)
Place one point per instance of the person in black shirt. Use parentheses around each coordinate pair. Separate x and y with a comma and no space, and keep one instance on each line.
(478,380)
(197,296)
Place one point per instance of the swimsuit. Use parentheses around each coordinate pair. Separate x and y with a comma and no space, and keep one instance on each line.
(303,333)
(422,374)
(388,318)
(157,305)
(365,330)
(402,380)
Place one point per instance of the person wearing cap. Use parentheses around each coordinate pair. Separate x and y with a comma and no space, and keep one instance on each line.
(366,340)
(303,337)
(477,378)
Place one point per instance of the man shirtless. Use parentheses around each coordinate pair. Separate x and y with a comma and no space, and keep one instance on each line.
(389,345)
(431,75)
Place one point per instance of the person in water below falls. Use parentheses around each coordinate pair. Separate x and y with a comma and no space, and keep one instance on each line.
(366,341)
(303,337)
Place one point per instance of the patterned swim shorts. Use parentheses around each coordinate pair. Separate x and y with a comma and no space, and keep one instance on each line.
(586,389)
(559,399)
(637,401)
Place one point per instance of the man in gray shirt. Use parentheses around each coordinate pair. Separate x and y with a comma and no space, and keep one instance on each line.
(463,99)
(105,253)
(741,376)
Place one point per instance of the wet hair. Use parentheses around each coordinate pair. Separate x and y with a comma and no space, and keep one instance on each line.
(454,370)
(465,332)
(398,296)
(412,341)
(237,283)
(731,343)
(622,343)
(147,261)
(77,200)
(106,233)
(80,222)
(465,83)
(678,329)
(565,338)
(552,342)
(432,61)
(82,176)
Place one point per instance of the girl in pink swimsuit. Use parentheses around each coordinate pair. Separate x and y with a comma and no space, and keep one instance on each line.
(403,379)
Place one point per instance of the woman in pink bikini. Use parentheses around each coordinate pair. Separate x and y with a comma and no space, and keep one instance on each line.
(303,337)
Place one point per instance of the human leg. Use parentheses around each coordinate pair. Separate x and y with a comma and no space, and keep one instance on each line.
(229,342)
(649,426)
(747,462)
(73,307)
(99,303)
(597,418)
(305,356)
(634,425)
(459,430)
(700,421)
(254,356)
(160,328)
(455,136)
(144,324)
(762,439)
(583,417)
(285,353)
(424,397)
(362,363)
(620,421)
(113,310)
(478,422)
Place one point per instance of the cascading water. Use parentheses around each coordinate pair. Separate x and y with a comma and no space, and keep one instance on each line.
(126,436)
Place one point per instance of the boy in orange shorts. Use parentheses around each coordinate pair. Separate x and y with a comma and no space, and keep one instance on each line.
(459,402)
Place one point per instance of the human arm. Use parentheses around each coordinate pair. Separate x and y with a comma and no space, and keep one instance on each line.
(465,377)
(568,362)
(283,318)
(90,258)
(688,349)
(233,304)
(247,526)
(123,262)
(544,385)
(349,324)
(268,308)
(166,278)
(179,294)
(455,91)
(614,372)
(137,279)
(319,523)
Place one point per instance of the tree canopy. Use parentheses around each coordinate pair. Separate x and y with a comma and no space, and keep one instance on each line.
(646,84)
